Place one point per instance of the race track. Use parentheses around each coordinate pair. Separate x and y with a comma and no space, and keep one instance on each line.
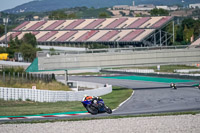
(153,97)
(149,97)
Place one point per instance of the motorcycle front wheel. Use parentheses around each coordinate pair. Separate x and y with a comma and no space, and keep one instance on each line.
(108,110)
(92,110)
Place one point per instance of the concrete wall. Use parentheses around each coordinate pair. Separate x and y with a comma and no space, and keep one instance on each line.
(116,59)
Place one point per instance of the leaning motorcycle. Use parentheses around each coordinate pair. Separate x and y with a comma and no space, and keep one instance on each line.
(96,106)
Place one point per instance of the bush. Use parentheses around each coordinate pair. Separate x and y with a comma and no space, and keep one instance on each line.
(13,69)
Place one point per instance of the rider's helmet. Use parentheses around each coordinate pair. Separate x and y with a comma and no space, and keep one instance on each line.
(88,98)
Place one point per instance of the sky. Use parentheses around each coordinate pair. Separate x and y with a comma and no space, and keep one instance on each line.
(8,4)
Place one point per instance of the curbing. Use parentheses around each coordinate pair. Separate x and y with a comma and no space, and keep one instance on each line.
(42,116)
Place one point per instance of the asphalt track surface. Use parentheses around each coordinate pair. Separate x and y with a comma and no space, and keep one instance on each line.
(153,97)
(148,97)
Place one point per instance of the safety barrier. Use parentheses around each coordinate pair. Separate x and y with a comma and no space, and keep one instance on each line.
(133,70)
(25,94)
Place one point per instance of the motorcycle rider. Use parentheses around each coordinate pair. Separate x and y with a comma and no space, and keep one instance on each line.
(93,99)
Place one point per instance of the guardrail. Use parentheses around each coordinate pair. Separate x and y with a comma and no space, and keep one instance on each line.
(133,70)
(46,53)
(25,94)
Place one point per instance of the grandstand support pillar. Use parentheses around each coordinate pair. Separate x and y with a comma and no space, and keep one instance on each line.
(166,38)
(173,31)
(5,21)
(154,39)
(160,38)
(66,75)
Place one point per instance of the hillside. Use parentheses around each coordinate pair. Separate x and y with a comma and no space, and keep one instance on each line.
(48,5)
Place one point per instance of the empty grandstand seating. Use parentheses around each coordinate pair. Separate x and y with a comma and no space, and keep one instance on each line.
(83,24)
(35,32)
(116,23)
(138,22)
(54,25)
(144,34)
(161,22)
(93,24)
(66,36)
(98,35)
(150,22)
(13,35)
(197,42)
(74,24)
(105,23)
(132,35)
(31,23)
(21,26)
(47,36)
(87,35)
(78,35)
(126,29)
(37,25)
(108,35)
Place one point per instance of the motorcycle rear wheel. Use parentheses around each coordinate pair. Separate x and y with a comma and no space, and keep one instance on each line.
(92,109)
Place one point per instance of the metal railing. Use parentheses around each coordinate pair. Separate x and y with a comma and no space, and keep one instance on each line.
(109,50)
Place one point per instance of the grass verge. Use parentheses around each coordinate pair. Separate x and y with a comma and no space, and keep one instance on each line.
(19,108)
(54,85)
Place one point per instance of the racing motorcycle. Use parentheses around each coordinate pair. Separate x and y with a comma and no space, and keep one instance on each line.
(95,106)
(173,85)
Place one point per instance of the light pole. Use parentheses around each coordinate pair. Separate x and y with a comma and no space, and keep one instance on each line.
(5,21)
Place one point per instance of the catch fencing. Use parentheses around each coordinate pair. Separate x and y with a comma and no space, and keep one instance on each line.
(50,96)
(12,78)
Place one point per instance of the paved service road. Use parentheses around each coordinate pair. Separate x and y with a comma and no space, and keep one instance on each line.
(152,97)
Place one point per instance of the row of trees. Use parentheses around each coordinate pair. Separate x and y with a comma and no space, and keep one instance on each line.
(82,12)
(27,46)
(186,32)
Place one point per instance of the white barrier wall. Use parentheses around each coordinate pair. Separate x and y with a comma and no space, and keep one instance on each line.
(49,96)
(133,70)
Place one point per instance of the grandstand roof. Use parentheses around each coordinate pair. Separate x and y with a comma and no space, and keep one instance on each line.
(125,29)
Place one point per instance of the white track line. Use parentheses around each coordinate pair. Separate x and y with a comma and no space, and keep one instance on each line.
(124,102)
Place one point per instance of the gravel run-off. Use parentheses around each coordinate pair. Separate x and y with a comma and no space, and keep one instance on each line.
(164,124)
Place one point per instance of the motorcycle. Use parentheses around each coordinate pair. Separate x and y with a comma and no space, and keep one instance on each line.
(96,106)
(173,85)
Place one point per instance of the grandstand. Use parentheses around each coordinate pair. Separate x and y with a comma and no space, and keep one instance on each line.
(196,43)
(139,31)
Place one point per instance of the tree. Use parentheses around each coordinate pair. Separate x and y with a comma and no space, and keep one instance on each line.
(14,45)
(122,13)
(30,39)
(104,15)
(187,34)
(71,16)
(1,30)
(59,14)
(159,12)
(28,52)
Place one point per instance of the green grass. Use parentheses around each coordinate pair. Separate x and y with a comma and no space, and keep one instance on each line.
(54,85)
(117,96)
(20,108)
